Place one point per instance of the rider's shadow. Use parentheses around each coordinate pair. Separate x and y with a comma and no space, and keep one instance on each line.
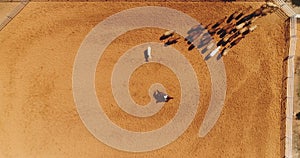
(159,96)
(146,56)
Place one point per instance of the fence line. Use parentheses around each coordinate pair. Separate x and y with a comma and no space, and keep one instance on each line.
(289,101)
(285,7)
(140,0)
(13,13)
(290,87)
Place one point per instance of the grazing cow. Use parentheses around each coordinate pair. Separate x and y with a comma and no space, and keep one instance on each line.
(248,30)
(239,15)
(270,4)
(240,26)
(223,34)
(231,17)
(236,41)
(253,20)
(225,43)
(264,6)
(230,30)
(247,23)
(266,11)
(225,51)
(231,38)
(206,27)
(257,12)
(191,47)
(167,34)
(219,22)
(252,28)
(221,42)
(212,31)
(172,40)
(227,28)
(244,30)
(242,13)
(220,31)
(244,19)
(225,39)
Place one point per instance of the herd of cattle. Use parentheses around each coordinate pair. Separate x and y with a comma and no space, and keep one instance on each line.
(224,34)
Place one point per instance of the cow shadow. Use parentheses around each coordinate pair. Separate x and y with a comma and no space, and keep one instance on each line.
(146,56)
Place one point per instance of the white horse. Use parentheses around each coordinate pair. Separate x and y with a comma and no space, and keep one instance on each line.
(149,52)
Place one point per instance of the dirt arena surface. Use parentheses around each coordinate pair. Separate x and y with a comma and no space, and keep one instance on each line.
(5,8)
(38,116)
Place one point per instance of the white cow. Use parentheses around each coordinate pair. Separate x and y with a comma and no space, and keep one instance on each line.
(149,52)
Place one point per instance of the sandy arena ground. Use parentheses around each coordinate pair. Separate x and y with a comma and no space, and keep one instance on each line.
(38,116)
(5,8)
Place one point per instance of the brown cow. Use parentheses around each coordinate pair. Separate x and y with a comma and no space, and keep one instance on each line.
(212,31)
(244,30)
(233,36)
(172,40)
(236,41)
(225,51)
(257,12)
(252,28)
(270,4)
(267,11)
(242,13)
(219,22)
(227,28)
(240,26)
(225,39)
(232,16)
(167,34)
